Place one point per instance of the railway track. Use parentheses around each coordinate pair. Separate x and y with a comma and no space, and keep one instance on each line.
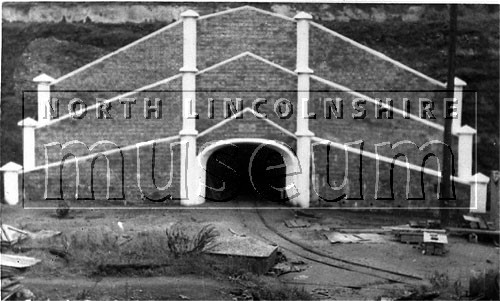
(260,227)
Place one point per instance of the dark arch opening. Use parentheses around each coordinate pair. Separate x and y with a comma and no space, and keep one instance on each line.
(246,171)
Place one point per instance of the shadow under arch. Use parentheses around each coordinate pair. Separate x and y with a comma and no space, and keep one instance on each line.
(292,165)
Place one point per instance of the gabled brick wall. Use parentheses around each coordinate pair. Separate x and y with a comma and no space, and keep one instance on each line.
(221,38)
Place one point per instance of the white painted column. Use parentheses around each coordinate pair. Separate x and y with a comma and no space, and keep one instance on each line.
(456,123)
(43,81)
(189,190)
(29,125)
(465,144)
(478,193)
(303,133)
(11,182)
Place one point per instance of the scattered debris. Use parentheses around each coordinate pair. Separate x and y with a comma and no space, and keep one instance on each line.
(9,292)
(43,234)
(9,271)
(25,294)
(16,261)
(305,214)
(11,287)
(413,235)
(242,246)
(475,222)
(493,233)
(280,256)
(419,296)
(57,252)
(472,238)
(322,292)
(417,224)
(123,239)
(428,224)
(297,223)
(12,235)
(372,238)
(283,268)
(375,230)
(235,233)
(336,237)
(476,228)
(241,294)
(434,243)
(10,281)
(300,277)
(120,225)
(319,227)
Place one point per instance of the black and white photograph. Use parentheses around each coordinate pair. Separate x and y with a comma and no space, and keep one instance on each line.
(332,150)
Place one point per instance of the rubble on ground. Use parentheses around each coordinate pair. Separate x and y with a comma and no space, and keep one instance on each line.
(11,268)
(297,223)
(11,235)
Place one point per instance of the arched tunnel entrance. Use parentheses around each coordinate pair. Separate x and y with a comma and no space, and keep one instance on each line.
(245,170)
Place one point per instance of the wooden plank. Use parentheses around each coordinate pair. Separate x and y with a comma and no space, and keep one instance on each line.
(17,261)
(377,231)
(477,231)
(416,230)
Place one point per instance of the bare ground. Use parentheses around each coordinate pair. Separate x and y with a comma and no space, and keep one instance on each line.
(90,232)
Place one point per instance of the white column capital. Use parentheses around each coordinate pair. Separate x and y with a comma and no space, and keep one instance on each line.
(302,66)
(43,100)
(303,16)
(28,123)
(189,14)
(189,45)
(43,79)
(466,130)
(11,167)
(479,178)
(459,82)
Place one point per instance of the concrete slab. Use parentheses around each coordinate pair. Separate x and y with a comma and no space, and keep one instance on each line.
(336,237)
(244,252)
(242,246)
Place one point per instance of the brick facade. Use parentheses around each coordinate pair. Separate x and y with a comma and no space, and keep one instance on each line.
(221,38)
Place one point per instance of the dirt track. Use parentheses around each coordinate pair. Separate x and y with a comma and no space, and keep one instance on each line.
(53,279)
